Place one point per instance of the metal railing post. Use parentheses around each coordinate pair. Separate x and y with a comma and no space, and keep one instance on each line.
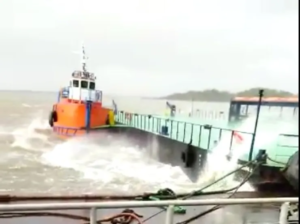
(93,206)
(169,215)
(93,215)
(284,210)
(261,94)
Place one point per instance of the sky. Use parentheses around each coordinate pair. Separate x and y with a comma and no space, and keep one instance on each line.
(150,47)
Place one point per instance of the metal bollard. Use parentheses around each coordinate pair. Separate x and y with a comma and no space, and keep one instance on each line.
(284,210)
(93,216)
(169,215)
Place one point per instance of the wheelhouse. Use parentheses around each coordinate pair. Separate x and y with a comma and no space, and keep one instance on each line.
(82,87)
(242,107)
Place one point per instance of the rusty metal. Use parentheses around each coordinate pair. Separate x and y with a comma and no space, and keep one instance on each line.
(93,206)
(241,194)
(12,198)
(125,217)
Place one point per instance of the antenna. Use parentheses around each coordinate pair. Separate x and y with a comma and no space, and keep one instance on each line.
(83,58)
(192,107)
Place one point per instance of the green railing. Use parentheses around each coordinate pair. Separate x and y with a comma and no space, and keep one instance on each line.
(203,136)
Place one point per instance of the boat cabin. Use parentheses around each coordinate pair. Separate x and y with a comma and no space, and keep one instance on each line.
(240,106)
(82,88)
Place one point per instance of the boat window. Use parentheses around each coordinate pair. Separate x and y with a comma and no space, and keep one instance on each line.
(75,83)
(84,84)
(92,85)
(65,92)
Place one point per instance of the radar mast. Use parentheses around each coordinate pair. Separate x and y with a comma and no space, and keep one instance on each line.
(83,59)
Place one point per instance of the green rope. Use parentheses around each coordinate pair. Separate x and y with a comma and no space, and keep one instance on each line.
(200,191)
(177,209)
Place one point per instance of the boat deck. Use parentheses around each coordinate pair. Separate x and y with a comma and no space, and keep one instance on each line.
(251,213)
(209,134)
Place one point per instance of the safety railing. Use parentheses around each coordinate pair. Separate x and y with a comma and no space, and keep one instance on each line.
(94,206)
(203,136)
(242,114)
(98,96)
(205,114)
(288,141)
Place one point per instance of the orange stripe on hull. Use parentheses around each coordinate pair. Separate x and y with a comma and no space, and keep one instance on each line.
(71,118)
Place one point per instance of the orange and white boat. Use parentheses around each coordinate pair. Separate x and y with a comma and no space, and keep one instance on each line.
(79,107)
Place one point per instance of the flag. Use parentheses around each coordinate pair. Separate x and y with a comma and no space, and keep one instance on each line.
(237,137)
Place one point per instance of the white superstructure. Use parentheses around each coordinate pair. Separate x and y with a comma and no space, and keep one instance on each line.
(82,85)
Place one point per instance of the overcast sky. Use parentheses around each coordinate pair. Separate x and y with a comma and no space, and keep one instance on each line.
(151,47)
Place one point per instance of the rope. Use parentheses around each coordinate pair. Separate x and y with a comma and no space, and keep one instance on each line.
(128,216)
(275,161)
(216,207)
(125,217)
(200,191)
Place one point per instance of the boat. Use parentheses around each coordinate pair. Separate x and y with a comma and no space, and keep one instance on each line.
(140,209)
(179,141)
(79,108)
(196,137)
(280,159)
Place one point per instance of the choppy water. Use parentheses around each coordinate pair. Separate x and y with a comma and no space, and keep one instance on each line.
(33,160)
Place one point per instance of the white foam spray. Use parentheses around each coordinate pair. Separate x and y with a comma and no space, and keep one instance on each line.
(267,134)
(24,135)
(121,168)
(115,167)
(118,167)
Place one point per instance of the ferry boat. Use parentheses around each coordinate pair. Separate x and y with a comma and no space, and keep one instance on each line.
(79,107)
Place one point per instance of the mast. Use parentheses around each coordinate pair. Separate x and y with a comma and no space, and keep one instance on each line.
(83,59)
(192,107)
(260,94)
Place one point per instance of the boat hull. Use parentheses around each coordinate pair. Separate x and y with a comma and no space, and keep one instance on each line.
(266,178)
(291,173)
(190,158)
(75,118)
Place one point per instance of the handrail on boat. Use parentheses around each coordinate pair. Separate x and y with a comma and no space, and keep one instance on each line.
(289,135)
(189,131)
(93,206)
(184,122)
(155,123)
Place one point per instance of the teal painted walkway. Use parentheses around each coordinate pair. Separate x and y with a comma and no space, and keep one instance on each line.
(207,134)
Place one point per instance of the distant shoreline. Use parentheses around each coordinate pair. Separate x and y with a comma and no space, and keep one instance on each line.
(214,95)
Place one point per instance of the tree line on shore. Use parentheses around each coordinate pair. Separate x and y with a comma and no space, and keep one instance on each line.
(215,95)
